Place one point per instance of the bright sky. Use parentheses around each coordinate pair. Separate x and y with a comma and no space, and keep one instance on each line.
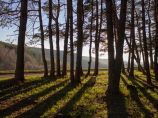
(5,32)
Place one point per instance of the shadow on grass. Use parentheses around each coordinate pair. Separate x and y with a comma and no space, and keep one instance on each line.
(25,102)
(135,97)
(70,106)
(23,88)
(116,106)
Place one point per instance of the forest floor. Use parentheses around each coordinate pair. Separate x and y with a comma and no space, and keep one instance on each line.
(57,98)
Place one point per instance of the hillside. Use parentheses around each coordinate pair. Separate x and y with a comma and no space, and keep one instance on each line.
(103,63)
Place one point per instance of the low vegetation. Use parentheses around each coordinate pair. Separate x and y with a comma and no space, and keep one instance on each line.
(56,97)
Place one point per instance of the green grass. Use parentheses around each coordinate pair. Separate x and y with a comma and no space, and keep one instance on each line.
(40,71)
(50,97)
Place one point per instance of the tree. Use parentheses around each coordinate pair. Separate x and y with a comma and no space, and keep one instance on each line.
(156,40)
(115,64)
(133,40)
(96,42)
(90,57)
(66,41)
(19,72)
(71,42)
(145,45)
(42,41)
(57,36)
(52,71)
(79,40)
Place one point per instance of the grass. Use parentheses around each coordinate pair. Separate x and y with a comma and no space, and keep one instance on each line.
(40,71)
(56,97)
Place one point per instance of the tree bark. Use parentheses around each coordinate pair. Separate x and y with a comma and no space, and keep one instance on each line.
(19,72)
(150,45)
(79,41)
(115,64)
(145,45)
(42,41)
(90,47)
(52,71)
(156,41)
(96,42)
(66,41)
(133,40)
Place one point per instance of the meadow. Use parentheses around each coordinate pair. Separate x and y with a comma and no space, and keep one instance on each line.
(58,98)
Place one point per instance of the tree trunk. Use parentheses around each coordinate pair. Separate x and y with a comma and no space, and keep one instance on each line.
(79,41)
(111,60)
(138,62)
(71,43)
(129,56)
(90,47)
(133,40)
(42,42)
(123,67)
(58,48)
(19,72)
(156,47)
(119,45)
(96,42)
(145,45)
(150,46)
(66,41)
(115,65)
(51,41)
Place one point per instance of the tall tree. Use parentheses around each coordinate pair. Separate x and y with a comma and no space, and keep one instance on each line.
(133,40)
(19,72)
(115,64)
(66,41)
(52,71)
(71,42)
(145,45)
(150,45)
(96,42)
(79,40)
(42,41)
(57,36)
(90,47)
(156,40)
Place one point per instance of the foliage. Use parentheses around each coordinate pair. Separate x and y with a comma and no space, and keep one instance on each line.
(51,97)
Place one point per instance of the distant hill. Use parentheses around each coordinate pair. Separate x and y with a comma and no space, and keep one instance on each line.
(103,63)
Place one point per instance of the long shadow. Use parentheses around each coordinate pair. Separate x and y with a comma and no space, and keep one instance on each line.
(25,102)
(70,105)
(26,87)
(147,95)
(47,104)
(9,85)
(116,106)
(134,96)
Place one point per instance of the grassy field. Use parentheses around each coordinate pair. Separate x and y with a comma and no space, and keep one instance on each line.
(57,98)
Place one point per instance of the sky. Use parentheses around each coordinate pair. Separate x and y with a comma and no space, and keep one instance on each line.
(6,32)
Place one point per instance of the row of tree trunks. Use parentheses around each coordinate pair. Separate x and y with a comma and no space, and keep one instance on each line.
(19,72)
